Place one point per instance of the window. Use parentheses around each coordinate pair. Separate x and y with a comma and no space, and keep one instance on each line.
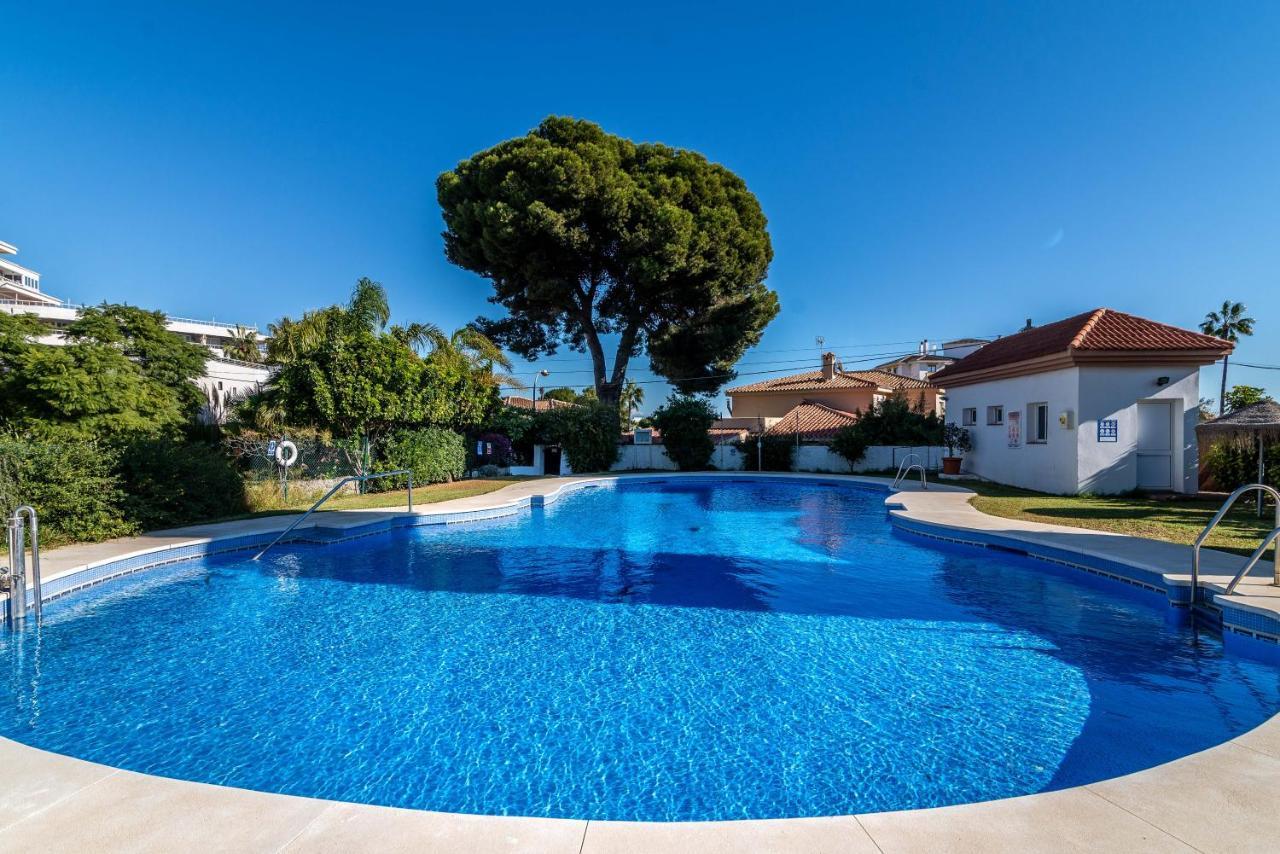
(1037,423)
(969,417)
(995,415)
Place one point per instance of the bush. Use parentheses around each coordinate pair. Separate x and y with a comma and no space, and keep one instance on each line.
(501,452)
(72,484)
(685,422)
(894,421)
(777,452)
(587,434)
(434,455)
(169,482)
(1235,463)
(848,442)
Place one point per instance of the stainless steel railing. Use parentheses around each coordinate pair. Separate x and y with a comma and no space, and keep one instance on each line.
(1213,523)
(355,478)
(904,471)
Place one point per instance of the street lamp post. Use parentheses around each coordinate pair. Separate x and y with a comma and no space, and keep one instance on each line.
(544,373)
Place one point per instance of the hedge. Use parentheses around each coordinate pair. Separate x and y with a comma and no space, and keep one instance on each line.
(168,482)
(685,422)
(777,453)
(72,484)
(434,455)
(587,434)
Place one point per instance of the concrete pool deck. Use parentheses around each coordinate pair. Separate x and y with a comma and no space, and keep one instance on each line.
(1218,800)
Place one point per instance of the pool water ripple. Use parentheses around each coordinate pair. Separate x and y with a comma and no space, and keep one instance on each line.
(650,652)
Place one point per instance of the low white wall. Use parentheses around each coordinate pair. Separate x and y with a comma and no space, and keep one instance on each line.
(817,458)
(632,457)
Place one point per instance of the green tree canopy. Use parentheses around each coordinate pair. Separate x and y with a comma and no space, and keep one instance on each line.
(342,371)
(584,234)
(685,422)
(119,372)
(1241,396)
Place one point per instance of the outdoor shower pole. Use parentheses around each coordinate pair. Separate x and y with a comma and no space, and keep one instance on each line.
(1262,473)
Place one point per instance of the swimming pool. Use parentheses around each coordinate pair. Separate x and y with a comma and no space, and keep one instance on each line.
(678,650)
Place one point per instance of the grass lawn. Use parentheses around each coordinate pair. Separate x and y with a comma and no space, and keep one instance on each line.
(1174,521)
(429,494)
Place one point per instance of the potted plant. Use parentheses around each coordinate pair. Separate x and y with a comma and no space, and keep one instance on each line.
(955,438)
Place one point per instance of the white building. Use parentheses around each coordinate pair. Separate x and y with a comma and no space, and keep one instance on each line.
(929,358)
(224,379)
(1102,402)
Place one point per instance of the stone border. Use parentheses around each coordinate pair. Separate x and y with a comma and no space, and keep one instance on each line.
(1217,800)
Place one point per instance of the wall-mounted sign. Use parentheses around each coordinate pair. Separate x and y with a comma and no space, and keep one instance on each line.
(1014,420)
(1108,430)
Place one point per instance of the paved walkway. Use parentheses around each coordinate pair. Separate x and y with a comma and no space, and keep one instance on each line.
(1219,800)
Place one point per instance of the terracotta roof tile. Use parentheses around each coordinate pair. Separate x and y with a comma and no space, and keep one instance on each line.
(813,381)
(813,421)
(544,403)
(1102,329)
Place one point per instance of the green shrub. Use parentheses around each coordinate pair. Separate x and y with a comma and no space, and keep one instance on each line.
(849,443)
(685,422)
(777,452)
(894,421)
(1235,463)
(587,434)
(169,482)
(433,454)
(72,485)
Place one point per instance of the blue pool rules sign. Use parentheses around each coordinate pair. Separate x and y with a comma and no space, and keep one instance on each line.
(1108,430)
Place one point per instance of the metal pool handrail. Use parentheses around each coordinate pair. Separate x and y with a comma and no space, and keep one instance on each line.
(1213,523)
(903,474)
(360,478)
(17,609)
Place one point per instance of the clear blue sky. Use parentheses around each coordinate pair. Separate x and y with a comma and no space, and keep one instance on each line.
(928,170)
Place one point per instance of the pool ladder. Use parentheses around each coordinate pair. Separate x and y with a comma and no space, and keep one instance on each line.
(355,478)
(13,578)
(904,471)
(1257,553)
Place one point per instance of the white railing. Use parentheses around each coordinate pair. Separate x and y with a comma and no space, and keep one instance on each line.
(168,317)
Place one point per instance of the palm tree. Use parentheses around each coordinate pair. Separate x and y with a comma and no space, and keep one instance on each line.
(243,346)
(1229,324)
(630,399)
(467,345)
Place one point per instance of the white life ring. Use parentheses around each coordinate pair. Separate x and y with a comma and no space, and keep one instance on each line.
(286,453)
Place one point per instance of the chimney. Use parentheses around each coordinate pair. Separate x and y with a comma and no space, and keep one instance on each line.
(1028,326)
(828,366)
(924,347)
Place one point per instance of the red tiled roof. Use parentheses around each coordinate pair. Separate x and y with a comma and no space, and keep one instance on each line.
(725,435)
(813,381)
(1100,330)
(544,403)
(813,421)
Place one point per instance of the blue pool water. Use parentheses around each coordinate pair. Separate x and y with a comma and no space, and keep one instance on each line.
(652,651)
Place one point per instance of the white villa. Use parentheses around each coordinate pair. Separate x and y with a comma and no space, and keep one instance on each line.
(1102,402)
(930,358)
(224,379)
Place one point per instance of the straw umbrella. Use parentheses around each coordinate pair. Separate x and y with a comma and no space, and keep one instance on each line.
(1260,421)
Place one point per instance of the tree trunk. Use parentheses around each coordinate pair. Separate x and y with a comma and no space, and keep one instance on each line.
(1222,398)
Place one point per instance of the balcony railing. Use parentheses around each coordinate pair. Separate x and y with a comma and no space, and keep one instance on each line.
(168,317)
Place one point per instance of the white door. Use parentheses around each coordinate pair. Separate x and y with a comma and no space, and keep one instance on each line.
(1155,444)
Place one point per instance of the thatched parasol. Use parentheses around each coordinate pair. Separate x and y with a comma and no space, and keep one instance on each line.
(1259,421)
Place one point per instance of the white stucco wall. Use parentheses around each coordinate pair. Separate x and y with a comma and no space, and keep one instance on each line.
(1073,460)
(1114,393)
(1048,467)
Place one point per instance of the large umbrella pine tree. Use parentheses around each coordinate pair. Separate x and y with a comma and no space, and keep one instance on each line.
(586,236)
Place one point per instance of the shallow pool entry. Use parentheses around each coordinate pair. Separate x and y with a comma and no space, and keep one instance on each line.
(652,651)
